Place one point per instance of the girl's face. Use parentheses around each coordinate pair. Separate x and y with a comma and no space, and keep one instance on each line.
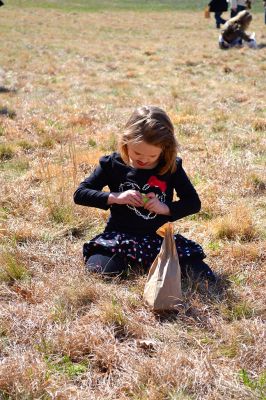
(143,155)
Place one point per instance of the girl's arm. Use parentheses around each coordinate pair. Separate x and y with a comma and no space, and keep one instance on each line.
(245,36)
(189,202)
(89,193)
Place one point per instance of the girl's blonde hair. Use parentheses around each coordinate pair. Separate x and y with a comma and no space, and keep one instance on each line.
(243,19)
(152,125)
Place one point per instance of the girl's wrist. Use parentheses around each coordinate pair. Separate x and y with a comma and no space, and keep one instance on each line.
(166,210)
(112,198)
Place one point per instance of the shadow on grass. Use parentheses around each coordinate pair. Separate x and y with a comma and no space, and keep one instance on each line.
(130,276)
(202,302)
(4,89)
(201,299)
(261,45)
(7,112)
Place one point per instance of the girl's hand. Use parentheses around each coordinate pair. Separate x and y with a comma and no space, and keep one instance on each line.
(154,205)
(130,197)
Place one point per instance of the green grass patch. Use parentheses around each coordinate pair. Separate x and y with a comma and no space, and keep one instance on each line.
(26,145)
(238,311)
(258,385)
(214,246)
(4,396)
(12,269)
(61,214)
(92,143)
(15,166)
(3,213)
(229,351)
(6,152)
(257,182)
(110,144)
(114,314)
(59,313)
(48,143)
(239,279)
(66,366)
(180,395)
(201,216)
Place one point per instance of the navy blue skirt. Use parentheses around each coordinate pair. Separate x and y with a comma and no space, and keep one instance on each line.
(140,249)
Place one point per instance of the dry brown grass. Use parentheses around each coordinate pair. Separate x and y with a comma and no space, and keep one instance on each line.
(74,79)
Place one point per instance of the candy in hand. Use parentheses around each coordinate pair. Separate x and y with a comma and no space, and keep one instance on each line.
(144,197)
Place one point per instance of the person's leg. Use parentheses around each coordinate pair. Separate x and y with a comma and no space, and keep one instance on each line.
(106,264)
(197,269)
(222,44)
(233,13)
(252,44)
(217,16)
(223,21)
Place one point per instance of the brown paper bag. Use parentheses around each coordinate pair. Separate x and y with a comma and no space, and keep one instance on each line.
(162,290)
(207,12)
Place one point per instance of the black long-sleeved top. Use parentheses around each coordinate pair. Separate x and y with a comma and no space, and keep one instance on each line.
(119,177)
(218,5)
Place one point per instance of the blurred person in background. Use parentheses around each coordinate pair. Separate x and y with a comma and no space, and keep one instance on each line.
(218,7)
(234,32)
(239,5)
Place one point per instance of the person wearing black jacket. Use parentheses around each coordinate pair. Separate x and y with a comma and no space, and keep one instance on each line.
(218,7)
(142,180)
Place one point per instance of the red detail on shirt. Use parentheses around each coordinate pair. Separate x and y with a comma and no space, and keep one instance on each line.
(154,181)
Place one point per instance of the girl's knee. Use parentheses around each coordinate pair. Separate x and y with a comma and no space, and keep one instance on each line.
(106,264)
(94,264)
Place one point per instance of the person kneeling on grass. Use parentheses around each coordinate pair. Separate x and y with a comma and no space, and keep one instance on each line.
(142,178)
(234,32)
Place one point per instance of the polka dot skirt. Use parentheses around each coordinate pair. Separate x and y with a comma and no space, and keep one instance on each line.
(140,249)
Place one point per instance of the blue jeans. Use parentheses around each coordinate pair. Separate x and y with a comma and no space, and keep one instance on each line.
(219,20)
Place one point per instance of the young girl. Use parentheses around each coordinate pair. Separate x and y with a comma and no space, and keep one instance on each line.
(142,179)
(234,32)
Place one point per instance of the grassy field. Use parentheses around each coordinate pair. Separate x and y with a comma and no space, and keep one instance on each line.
(135,5)
(68,82)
